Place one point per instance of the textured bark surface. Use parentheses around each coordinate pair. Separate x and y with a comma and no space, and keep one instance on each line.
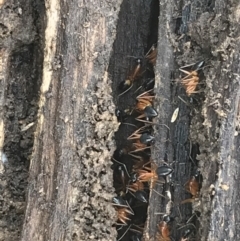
(70,184)
(207,30)
(70,180)
(60,65)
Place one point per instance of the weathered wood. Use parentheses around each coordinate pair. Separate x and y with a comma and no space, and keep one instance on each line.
(172,145)
(19,84)
(70,183)
(218,133)
(209,32)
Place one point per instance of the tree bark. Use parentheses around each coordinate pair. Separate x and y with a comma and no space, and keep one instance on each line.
(60,67)
(70,181)
(207,31)
(70,177)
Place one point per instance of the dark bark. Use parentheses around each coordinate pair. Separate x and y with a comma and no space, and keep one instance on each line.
(208,32)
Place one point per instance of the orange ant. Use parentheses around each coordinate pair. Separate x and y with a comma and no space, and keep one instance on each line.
(142,136)
(127,84)
(144,99)
(136,186)
(152,174)
(193,187)
(122,215)
(144,105)
(164,230)
(123,210)
(191,80)
(142,139)
(151,55)
(147,174)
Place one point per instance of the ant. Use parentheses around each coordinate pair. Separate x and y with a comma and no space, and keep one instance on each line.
(144,105)
(148,174)
(164,229)
(135,186)
(151,55)
(141,195)
(191,80)
(121,115)
(193,187)
(123,210)
(136,232)
(142,136)
(121,176)
(127,84)
(122,215)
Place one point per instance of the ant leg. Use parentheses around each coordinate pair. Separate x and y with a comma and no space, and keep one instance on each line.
(151,49)
(142,95)
(152,123)
(187,224)
(126,90)
(134,136)
(139,230)
(186,81)
(140,149)
(189,65)
(189,200)
(124,233)
(185,71)
(120,163)
(144,121)
(139,158)
(161,195)
(139,88)
(128,124)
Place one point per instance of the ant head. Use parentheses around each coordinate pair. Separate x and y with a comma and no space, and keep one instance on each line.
(119,201)
(150,112)
(141,196)
(197,173)
(167,219)
(199,65)
(147,139)
(133,177)
(164,170)
(125,85)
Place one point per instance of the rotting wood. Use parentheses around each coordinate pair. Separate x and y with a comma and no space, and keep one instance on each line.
(70,185)
(214,121)
(18,106)
(219,138)
(172,145)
